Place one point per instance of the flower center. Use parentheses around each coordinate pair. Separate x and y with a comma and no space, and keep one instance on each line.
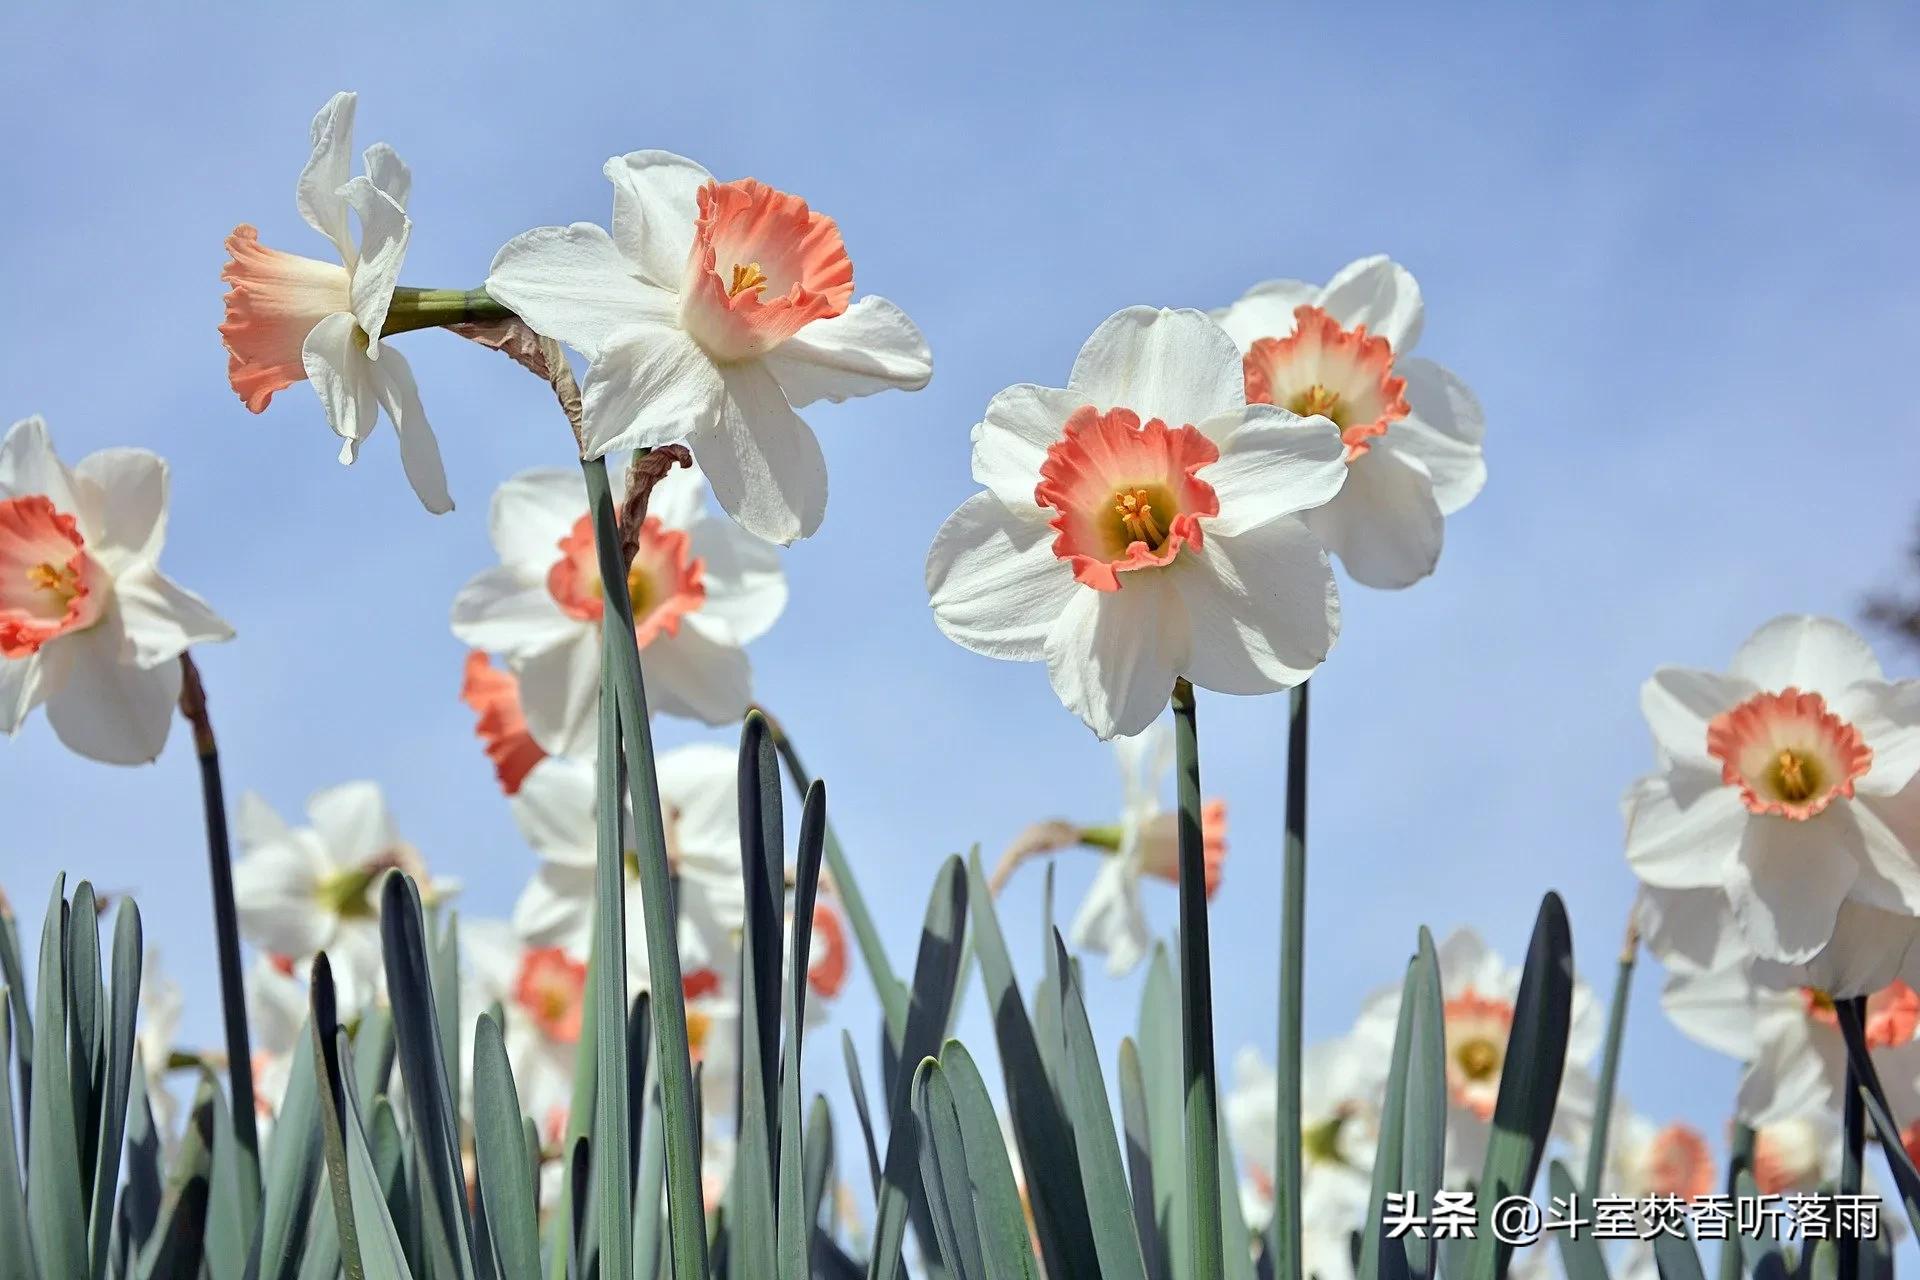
(1477,1030)
(1789,755)
(666,581)
(1320,1143)
(1343,375)
(552,990)
(1126,496)
(787,267)
(49,585)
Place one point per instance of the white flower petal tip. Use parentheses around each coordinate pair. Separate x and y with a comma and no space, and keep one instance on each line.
(1784,782)
(291,318)
(1412,430)
(1140,525)
(89,626)
(701,589)
(708,313)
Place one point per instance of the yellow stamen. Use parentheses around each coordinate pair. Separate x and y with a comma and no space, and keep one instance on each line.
(59,579)
(748,277)
(1479,1059)
(1795,776)
(1317,399)
(1137,519)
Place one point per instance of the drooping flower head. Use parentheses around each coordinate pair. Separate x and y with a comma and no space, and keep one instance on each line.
(89,625)
(710,313)
(1412,430)
(292,319)
(1139,525)
(1782,783)
(701,589)
(500,724)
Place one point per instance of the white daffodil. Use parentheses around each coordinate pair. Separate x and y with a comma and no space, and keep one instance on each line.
(499,721)
(701,589)
(542,992)
(1646,1161)
(291,318)
(88,623)
(711,312)
(698,787)
(154,1040)
(303,890)
(1340,1086)
(1785,782)
(277,1004)
(1412,430)
(1478,990)
(1141,525)
(1112,919)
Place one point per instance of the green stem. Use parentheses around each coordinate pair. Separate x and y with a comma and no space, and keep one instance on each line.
(1283,1238)
(679,1103)
(226,924)
(1196,1001)
(1854,1122)
(1739,1160)
(1610,1065)
(893,996)
(434,308)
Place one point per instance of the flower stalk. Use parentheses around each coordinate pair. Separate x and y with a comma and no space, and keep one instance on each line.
(1196,1001)
(226,922)
(1854,1127)
(1610,1060)
(439,308)
(1283,1238)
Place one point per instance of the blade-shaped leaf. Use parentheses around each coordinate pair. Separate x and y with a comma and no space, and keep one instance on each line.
(857,1086)
(762,845)
(1137,1129)
(56,1217)
(943,1171)
(16,1256)
(1425,1158)
(1109,1200)
(118,1051)
(1579,1250)
(295,1165)
(999,1212)
(179,1237)
(500,1152)
(1160,1076)
(795,1226)
(1379,1255)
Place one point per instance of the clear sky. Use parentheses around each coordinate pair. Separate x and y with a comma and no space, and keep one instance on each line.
(1669,247)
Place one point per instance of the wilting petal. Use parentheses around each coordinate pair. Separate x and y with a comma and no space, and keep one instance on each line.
(318,192)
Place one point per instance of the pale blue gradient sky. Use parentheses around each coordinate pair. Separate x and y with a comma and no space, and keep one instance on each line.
(1669,246)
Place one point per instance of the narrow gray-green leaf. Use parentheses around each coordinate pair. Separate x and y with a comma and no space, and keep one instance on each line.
(999,1212)
(1380,1256)
(16,1255)
(118,1050)
(500,1152)
(1161,1074)
(943,1171)
(1109,1198)
(294,1167)
(1137,1130)
(857,1086)
(56,1216)
(1426,1133)
(795,1227)
(1579,1250)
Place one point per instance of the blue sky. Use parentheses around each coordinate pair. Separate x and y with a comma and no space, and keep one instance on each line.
(1669,247)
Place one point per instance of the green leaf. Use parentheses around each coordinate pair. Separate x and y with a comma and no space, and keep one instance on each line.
(1109,1200)
(141,1195)
(436,1123)
(625,726)
(1425,1158)
(380,1249)
(294,1166)
(1160,1078)
(651,1179)
(16,1255)
(1283,1234)
(762,846)
(118,1052)
(179,1237)
(857,1086)
(500,1153)
(57,1219)
(943,1171)
(1906,1177)
(1529,1081)
(934,973)
(13,975)
(610,1246)
(1380,1256)
(86,1029)
(1038,1120)
(1610,1063)
(1678,1258)
(1001,1217)
(1579,1250)
(819,1164)
(1202,1089)
(795,1226)
(1137,1129)
(228,1234)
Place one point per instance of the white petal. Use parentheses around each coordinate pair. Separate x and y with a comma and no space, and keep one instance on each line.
(342,377)
(1011,440)
(532,512)
(108,710)
(764,463)
(1683,829)
(554,810)
(1177,366)
(20,691)
(745,587)
(1112,655)
(1713,1007)
(1886,827)
(1145,759)
(419,450)
(273,891)
(1111,920)
(1783,1083)
(384,232)
(656,199)
(556,907)
(318,192)
(560,694)
(1272,463)
(1888,717)
(1382,295)
(1813,654)
(870,347)
(511,612)
(28,465)
(1788,882)
(162,619)
(1262,606)
(573,285)
(1265,311)
(123,500)
(995,584)
(1384,525)
(699,674)
(388,172)
(1679,701)
(1692,928)
(699,783)
(678,499)
(1443,430)
(650,385)
(352,822)
(1868,950)
(256,823)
